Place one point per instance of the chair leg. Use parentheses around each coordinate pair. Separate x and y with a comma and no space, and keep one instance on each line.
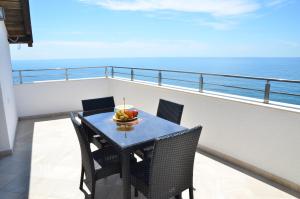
(136,193)
(191,191)
(81,179)
(121,169)
(179,196)
(93,190)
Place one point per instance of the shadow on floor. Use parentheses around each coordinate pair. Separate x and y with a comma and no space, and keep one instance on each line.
(15,169)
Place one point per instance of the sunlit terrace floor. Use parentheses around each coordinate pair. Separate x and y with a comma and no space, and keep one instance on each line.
(46,165)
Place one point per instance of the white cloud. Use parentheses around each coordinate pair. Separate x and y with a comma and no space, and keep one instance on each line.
(155,48)
(99,49)
(223,14)
(273,3)
(292,44)
(212,7)
(219,25)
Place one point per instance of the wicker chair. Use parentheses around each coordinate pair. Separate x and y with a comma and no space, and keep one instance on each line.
(170,111)
(105,104)
(167,110)
(93,106)
(95,165)
(170,171)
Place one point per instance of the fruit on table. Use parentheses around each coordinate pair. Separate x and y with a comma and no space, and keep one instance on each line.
(129,113)
(135,113)
(125,115)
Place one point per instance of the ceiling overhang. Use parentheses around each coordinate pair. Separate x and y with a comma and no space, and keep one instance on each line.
(17,21)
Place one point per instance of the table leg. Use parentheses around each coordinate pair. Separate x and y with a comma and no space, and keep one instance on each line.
(126,174)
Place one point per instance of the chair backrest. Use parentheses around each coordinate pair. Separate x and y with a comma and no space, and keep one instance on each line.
(171,167)
(170,111)
(105,104)
(86,154)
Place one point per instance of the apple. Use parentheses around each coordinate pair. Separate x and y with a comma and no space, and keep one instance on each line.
(129,113)
(135,113)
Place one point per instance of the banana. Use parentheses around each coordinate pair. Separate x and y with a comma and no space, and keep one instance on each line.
(121,115)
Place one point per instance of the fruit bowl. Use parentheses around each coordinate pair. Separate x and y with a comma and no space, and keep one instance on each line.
(124,120)
(125,115)
(123,107)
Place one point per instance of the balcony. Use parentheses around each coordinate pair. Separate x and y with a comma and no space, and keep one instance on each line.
(46,164)
(248,148)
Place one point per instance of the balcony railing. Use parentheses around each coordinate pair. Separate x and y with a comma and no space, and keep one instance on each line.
(265,89)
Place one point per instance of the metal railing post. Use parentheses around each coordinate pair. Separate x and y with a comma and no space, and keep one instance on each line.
(66,74)
(112,72)
(159,78)
(20,77)
(201,82)
(106,72)
(267,92)
(132,74)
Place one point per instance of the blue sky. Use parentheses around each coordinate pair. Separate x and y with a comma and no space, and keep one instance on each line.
(162,28)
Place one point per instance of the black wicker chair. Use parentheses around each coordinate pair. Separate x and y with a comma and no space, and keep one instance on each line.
(93,106)
(170,111)
(170,171)
(95,165)
(167,110)
(105,104)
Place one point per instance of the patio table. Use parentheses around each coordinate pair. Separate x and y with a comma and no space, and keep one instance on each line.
(127,138)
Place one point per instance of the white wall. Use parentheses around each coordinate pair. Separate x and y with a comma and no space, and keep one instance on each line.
(8,113)
(4,140)
(261,135)
(264,136)
(57,96)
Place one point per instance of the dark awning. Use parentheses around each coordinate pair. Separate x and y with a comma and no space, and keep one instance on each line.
(17,21)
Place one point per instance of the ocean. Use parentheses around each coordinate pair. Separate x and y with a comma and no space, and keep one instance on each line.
(281,68)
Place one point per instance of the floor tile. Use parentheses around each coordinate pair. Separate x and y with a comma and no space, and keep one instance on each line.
(46,165)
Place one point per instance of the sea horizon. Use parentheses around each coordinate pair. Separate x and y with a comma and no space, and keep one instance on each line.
(271,67)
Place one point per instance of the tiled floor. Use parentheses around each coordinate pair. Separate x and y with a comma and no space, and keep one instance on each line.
(46,165)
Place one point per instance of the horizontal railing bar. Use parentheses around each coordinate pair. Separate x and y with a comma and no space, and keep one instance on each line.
(122,73)
(136,75)
(57,75)
(74,74)
(61,68)
(284,93)
(171,71)
(79,77)
(33,76)
(181,80)
(90,67)
(139,75)
(237,87)
(251,89)
(54,75)
(210,74)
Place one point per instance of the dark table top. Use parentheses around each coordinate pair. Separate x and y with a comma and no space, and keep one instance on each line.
(146,129)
